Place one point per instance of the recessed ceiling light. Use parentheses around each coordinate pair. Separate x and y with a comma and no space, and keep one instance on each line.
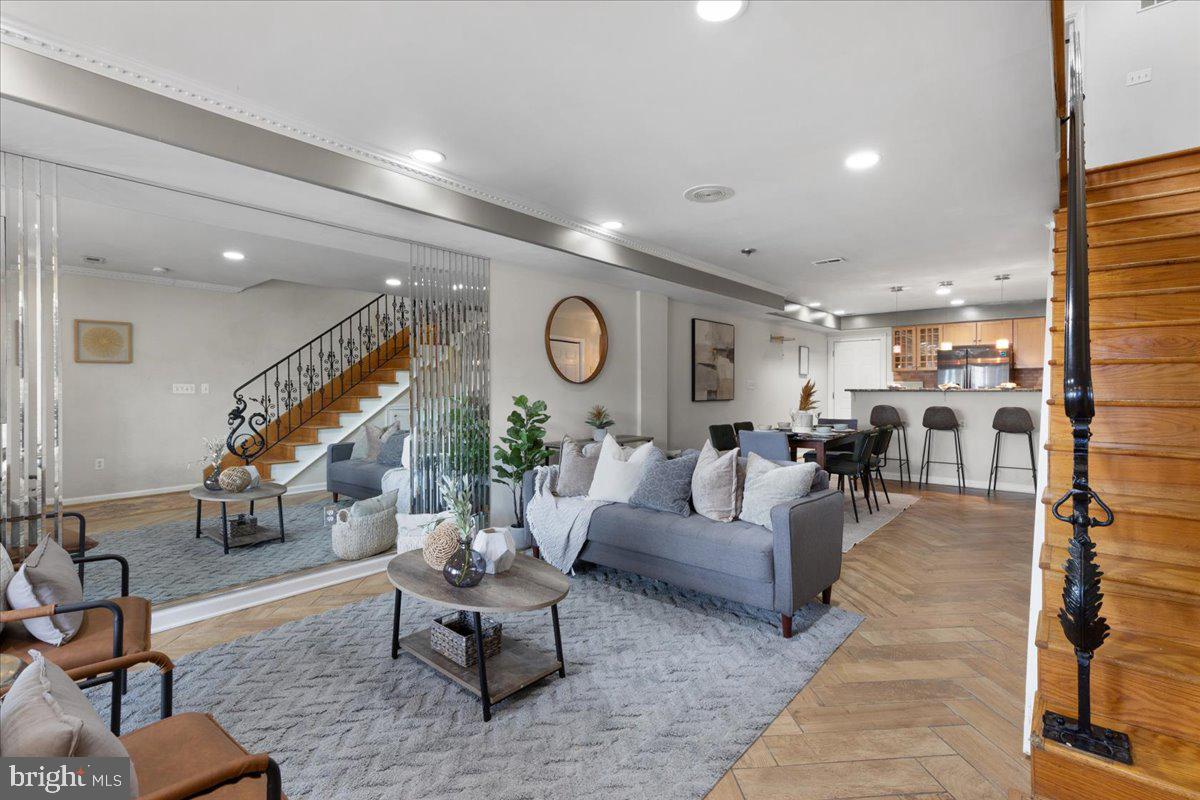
(839,312)
(159,270)
(428,156)
(943,287)
(719,10)
(958,301)
(863,159)
(748,251)
(393,281)
(613,225)
(815,304)
(708,193)
(233,255)
(790,307)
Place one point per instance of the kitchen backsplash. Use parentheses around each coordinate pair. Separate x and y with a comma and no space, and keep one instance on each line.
(1025,378)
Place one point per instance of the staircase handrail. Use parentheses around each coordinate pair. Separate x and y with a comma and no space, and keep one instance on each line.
(306,383)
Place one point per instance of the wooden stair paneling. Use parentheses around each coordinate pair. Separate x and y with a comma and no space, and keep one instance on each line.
(1176,200)
(1142,168)
(1166,181)
(1134,608)
(1136,425)
(1136,227)
(1156,472)
(1145,248)
(1176,582)
(1169,339)
(1147,305)
(1167,274)
(1149,536)
(1145,381)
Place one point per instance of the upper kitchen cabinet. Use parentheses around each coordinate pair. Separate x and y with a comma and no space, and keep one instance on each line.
(992,331)
(1028,342)
(959,334)
(903,349)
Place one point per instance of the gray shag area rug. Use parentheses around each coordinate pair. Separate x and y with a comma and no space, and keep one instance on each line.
(167,561)
(868,523)
(664,690)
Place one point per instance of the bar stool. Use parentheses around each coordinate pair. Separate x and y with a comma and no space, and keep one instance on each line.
(941,418)
(888,416)
(1011,419)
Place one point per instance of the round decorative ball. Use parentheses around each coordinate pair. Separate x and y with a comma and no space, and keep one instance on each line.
(440,544)
(235,479)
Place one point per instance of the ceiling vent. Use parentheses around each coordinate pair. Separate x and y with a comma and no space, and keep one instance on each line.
(824,262)
(708,193)
(95,259)
(1146,5)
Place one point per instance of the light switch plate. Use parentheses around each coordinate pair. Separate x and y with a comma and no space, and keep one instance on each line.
(1138,76)
(183,388)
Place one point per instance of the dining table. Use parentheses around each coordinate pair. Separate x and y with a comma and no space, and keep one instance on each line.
(819,443)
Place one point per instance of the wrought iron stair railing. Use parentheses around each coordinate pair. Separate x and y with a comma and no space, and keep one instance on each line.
(1080,616)
(315,375)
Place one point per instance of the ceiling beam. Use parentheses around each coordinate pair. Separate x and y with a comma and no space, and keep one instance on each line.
(49,84)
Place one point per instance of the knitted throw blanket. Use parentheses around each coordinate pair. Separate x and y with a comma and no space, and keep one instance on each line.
(558,524)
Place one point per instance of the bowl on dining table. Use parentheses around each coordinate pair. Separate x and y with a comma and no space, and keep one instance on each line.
(823,429)
(841,426)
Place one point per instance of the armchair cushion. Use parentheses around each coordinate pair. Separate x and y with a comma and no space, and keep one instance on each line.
(168,752)
(93,642)
(45,714)
(48,577)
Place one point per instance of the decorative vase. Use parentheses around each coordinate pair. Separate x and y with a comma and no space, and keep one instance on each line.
(212,481)
(802,420)
(497,547)
(598,434)
(465,568)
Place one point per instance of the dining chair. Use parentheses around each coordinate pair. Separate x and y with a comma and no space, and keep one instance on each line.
(771,445)
(722,437)
(844,447)
(853,465)
(738,427)
(883,440)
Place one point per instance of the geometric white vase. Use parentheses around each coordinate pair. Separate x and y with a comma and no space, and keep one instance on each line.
(497,548)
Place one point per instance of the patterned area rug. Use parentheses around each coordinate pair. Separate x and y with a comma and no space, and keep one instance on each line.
(664,690)
(868,523)
(167,561)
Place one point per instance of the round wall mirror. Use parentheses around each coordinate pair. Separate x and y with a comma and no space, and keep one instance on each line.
(576,339)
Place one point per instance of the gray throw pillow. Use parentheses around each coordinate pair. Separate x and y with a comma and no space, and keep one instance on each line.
(391,452)
(48,577)
(768,484)
(46,715)
(667,485)
(366,446)
(575,470)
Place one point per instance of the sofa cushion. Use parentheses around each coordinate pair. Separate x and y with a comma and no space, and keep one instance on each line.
(768,484)
(666,486)
(715,484)
(93,642)
(619,470)
(734,548)
(358,472)
(575,470)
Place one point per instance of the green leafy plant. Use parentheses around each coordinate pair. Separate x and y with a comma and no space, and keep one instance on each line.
(521,448)
(598,418)
(808,396)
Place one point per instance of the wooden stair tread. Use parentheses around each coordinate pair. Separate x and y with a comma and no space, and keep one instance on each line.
(1136,504)
(1117,449)
(1054,401)
(1134,199)
(1135,240)
(1135,293)
(1154,655)
(1104,223)
(1166,764)
(1195,359)
(1175,581)
(1140,323)
(1152,176)
(1153,262)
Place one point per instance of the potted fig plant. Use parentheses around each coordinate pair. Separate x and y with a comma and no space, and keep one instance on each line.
(805,414)
(521,448)
(599,419)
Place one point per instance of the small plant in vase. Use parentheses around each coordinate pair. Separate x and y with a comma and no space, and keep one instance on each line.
(465,567)
(806,412)
(214,449)
(600,421)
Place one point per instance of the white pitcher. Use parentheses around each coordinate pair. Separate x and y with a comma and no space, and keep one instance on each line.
(802,421)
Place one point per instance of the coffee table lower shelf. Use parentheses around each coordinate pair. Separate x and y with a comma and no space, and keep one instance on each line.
(515,667)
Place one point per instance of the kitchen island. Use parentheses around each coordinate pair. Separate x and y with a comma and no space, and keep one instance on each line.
(975,409)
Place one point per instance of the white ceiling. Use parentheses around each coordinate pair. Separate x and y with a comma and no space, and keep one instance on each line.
(596,111)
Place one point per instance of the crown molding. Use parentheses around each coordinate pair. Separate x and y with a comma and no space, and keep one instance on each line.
(133,277)
(179,87)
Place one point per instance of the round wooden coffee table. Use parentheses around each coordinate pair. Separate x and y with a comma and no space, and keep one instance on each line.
(528,585)
(264,491)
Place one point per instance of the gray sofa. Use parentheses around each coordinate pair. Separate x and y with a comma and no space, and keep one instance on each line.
(780,569)
(352,477)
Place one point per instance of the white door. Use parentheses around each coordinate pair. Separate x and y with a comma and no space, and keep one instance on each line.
(856,365)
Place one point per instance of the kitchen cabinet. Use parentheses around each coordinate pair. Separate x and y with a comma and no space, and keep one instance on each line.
(991,331)
(904,358)
(1029,337)
(959,334)
(928,337)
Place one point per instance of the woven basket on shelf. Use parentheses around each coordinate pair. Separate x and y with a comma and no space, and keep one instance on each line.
(453,636)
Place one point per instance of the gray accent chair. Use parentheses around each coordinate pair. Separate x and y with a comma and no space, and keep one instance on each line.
(352,477)
(780,569)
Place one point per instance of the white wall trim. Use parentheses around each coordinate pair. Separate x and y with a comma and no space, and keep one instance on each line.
(112,275)
(187,90)
(187,612)
(96,498)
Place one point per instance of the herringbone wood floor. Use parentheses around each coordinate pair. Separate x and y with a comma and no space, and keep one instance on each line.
(924,700)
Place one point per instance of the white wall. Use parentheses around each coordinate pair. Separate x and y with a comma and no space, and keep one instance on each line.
(126,414)
(1128,122)
(767,376)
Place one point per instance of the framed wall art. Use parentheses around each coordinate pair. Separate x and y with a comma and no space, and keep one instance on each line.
(103,342)
(712,360)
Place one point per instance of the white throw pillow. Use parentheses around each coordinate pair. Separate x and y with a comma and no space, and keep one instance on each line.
(368,442)
(715,484)
(48,577)
(374,505)
(6,575)
(768,484)
(406,454)
(619,470)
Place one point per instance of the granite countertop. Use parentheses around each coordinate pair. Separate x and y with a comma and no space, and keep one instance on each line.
(935,389)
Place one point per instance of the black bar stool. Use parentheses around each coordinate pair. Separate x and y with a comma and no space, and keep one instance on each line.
(889,417)
(1011,419)
(941,418)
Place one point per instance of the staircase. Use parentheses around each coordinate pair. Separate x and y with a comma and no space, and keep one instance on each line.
(286,416)
(1143,226)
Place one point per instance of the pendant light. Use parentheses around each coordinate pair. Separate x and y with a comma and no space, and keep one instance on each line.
(1002,343)
(896,290)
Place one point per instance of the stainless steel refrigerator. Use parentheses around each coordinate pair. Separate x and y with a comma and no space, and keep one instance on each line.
(988,367)
(952,366)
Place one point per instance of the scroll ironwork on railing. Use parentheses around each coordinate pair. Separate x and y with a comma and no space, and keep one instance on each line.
(302,384)
(1080,616)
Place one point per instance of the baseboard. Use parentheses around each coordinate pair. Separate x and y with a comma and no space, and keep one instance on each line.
(96,498)
(187,612)
(1025,487)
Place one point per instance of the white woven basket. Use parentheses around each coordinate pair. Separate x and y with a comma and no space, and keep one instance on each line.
(360,537)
